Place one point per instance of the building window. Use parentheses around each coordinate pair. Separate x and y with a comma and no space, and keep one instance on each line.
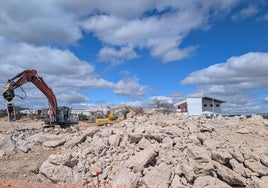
(217,105)
(211,105)
(205,105)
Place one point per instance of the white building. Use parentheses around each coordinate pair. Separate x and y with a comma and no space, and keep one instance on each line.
(200,105)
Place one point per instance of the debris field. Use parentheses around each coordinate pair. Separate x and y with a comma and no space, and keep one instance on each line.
(153,150)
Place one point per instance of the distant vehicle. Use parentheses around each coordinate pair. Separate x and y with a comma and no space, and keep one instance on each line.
(57,115)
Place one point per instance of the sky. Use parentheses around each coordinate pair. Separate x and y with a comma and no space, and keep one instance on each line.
(98,52)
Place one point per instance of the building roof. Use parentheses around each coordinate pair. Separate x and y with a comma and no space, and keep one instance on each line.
(209,98)
(216,100)
(179,103)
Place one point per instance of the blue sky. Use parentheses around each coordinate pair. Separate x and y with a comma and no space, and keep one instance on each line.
(98,52)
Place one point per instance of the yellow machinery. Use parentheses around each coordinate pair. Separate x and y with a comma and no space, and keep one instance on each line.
(118,114)
(137,111)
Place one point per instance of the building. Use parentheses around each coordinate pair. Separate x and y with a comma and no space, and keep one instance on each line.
(199,105)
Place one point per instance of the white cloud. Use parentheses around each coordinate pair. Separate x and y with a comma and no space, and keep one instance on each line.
(38,22)
(245,72)
(160,32)
(232,80)
(110,54)
(247,12)
(61,70)
(130,87)
(156,25)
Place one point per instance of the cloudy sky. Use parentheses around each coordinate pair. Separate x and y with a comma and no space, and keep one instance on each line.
(93,52)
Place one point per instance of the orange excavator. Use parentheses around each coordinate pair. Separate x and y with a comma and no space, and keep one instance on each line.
(57,115)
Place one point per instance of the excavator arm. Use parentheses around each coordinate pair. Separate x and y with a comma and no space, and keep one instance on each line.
(19,80)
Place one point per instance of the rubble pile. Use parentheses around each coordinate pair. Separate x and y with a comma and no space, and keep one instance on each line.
(164,150)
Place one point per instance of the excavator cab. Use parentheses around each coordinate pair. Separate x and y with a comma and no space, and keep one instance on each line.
(63,117)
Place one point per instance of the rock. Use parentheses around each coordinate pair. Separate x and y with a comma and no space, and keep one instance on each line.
(134,138)
(158,176)
(265,122)
(264,160)
(201,168)
(228,175)
(187,172)
(114,140)
(264,181)
(89,132)
(209,182)
(2,153)
(23,145)
(212,143)
(59,173)
(65,159)
(256,166)
(200,159)
(221,156)
(141,159)
(243,131)
(259,182)
(167,143)
(125,178)
(99,143)
(176,182)
(54,143)
(238,167)
(249,153)
(256,118)
(237,154)
(82,166)
(194,139)
(143,143)
(43,137)
(155,136)
(199,153)
(6,143)
(95,170)
(207,128)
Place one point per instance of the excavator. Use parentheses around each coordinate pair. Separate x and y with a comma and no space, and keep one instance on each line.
(57,115)
(118,114)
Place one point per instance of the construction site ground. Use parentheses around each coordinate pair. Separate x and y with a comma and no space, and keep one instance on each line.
(19,165)
(154,150)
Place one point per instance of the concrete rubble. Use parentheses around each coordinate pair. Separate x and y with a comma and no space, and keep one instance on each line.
(155,150)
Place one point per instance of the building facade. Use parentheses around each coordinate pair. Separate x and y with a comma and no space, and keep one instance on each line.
(200,105)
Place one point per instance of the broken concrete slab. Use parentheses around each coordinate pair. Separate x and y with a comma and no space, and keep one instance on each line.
(126,178)
(264,160)
(23,145)
(75,140)
(141,159)
(228,175)
(221,156)
(209,182)
(59,173)
(54,143)
(256,166)
(158,176)
(65,159)
(6,143)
